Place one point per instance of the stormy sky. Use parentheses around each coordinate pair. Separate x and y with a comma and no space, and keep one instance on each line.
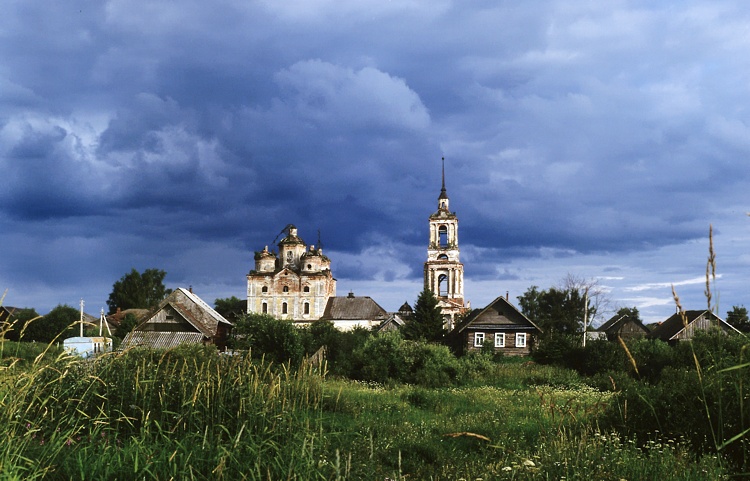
(596,139)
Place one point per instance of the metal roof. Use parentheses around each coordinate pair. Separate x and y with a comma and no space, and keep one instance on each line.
(161,339)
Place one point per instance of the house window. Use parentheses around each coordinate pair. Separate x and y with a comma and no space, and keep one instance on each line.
(499,339)
(307,308)
(285,289)
(307,289)
(284,309)
(478,339)
(264,308)
(264,289)
(521,339)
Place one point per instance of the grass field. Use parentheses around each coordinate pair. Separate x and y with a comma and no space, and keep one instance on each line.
(190,413)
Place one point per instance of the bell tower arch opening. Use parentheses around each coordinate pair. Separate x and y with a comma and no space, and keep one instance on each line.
(443,236)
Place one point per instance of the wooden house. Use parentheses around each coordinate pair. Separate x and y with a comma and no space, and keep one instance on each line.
(623,326)
(501,325)
(181,318)
(678,329)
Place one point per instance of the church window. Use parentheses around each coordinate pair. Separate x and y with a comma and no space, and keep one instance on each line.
(264,308)
(285,289)
(478,339)
(284,308)
(442,257)
(264,289)
(307,308)
(306,289)
(309,266)
(442,287)
(443,236)
(499,339)
(521,339)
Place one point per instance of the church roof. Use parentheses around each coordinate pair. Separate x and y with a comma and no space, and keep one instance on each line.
(443,192)
(342,308)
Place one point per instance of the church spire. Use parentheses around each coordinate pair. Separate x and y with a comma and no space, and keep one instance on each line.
(443,199)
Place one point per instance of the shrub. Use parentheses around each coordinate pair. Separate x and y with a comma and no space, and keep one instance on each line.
(652,356)
(381,359)
(707,409)
(267,337)
(432,365)
(599,356)
(556,348)
(340,345)
(388,358)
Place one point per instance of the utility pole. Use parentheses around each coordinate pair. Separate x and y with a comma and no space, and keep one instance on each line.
(585,314)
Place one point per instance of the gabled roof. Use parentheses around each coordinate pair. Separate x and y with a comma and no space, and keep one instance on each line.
(341,308)
(393,322)
(618,320)
(670,328)
(499,314)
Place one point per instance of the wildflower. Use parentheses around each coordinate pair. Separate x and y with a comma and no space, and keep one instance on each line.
(529,463)
(507,468)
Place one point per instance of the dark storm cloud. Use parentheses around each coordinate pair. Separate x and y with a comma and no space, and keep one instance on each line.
(154,133)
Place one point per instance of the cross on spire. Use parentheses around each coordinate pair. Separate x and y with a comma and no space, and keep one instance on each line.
(443,199)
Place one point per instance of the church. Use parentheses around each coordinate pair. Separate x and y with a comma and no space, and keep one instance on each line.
(297,283)
(294,284)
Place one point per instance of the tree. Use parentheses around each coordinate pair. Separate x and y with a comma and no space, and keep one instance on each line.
(60,321)
(231,308)
(738,318)
(556,310)
(16,322)
(631,313)
(138,291)
(428,321)
(128,322)
(596,297)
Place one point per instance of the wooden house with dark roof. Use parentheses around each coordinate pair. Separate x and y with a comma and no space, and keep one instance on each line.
(501,325)
(349,312)
(678,329)
(624,326)
(181,318)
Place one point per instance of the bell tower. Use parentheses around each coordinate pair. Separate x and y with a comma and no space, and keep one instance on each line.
(443,271)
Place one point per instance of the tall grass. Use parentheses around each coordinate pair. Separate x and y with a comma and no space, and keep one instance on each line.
(186,413)
(701,399)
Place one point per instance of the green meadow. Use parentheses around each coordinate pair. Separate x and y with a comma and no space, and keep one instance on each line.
(191,413)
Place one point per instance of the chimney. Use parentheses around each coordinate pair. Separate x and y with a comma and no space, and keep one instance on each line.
(351,295)
(507,294)
(190,288)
